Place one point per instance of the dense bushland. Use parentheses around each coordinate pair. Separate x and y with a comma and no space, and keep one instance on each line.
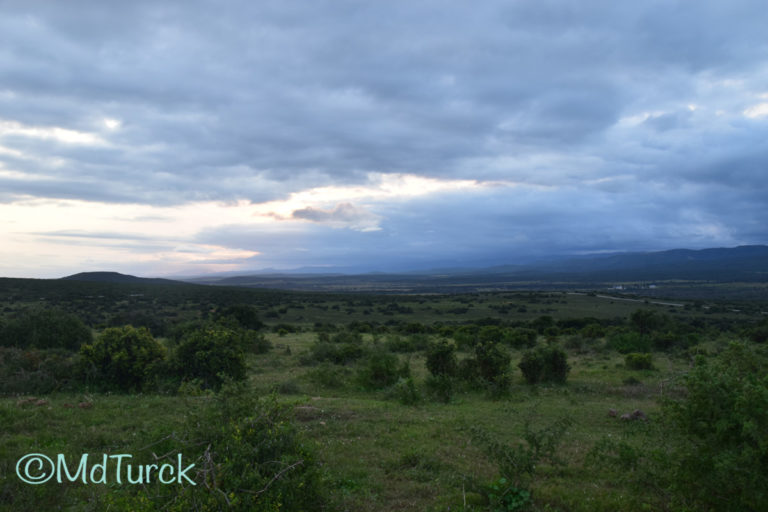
(44,328)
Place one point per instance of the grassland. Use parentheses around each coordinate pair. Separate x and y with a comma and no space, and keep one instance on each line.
(374,452)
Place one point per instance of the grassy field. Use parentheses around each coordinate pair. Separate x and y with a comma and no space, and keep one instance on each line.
(376,453)
(373,452)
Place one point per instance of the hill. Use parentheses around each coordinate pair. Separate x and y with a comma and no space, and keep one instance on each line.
(116,277)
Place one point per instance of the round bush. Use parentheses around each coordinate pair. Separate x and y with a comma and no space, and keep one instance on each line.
(210,353)
(122,358)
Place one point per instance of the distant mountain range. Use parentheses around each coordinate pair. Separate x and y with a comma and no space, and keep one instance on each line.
(748,264)
(738,264)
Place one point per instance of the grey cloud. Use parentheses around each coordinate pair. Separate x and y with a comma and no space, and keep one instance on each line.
(257,100)
(335,89)
(511,225)
(343,214)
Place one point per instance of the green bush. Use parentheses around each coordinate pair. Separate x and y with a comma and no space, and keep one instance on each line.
(210,353)
(380,370)
(441,359)
(637,361)
(758,333)
(517,463)
(545,364)
(405,391)
(465,336)
(337,353)
(593,331)
(724,418)
(347,337)
(412,343)
(330,375)
(469,371)
(492,361)
(489,369)
(242,315)
(38,371)
(440,387)
(122,359)
(252,459)
(254,342)
(45,328)
(522,337)
(629,341)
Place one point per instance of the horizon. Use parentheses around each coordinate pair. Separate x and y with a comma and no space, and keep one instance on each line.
(351,271)
(185,139)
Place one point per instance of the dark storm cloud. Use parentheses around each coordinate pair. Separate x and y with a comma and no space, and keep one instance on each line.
(621,108)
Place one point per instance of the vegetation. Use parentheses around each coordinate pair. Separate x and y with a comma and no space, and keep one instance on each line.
(122,359)
(382,402)
(545,364)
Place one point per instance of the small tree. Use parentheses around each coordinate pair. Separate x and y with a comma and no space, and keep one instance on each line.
(441,363)
(493,367)
(441,359)
(123,358)
(545,364)
(209,353)
(381,370)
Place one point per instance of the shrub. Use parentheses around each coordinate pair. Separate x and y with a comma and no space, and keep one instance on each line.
(522,337)
(330,376)
(441,359)
(381,370)
(405,391)
(545,364)
(253,459)
(517,463)
(636,361)
(209,354)
(347,337)
(724,417)
(440,387)
(759,333)
(243,315)
(492,361)
(646,321)
(625,342)
(465,336)
(37,371)
(46,328)
(337,353)
(469,371)
(122,358)
(254,342)
(593,331)
(411,343)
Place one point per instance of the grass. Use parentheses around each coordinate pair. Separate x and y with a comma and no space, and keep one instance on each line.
(375,453)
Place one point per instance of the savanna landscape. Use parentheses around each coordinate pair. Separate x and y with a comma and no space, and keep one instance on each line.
(369,256)
(523,400)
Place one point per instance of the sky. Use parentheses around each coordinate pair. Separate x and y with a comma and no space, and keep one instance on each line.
(193,137)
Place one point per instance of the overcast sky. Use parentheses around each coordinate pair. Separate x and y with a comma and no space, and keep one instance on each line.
(162,138)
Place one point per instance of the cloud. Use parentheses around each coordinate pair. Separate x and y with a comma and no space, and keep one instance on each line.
(343,215)
(344,117)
